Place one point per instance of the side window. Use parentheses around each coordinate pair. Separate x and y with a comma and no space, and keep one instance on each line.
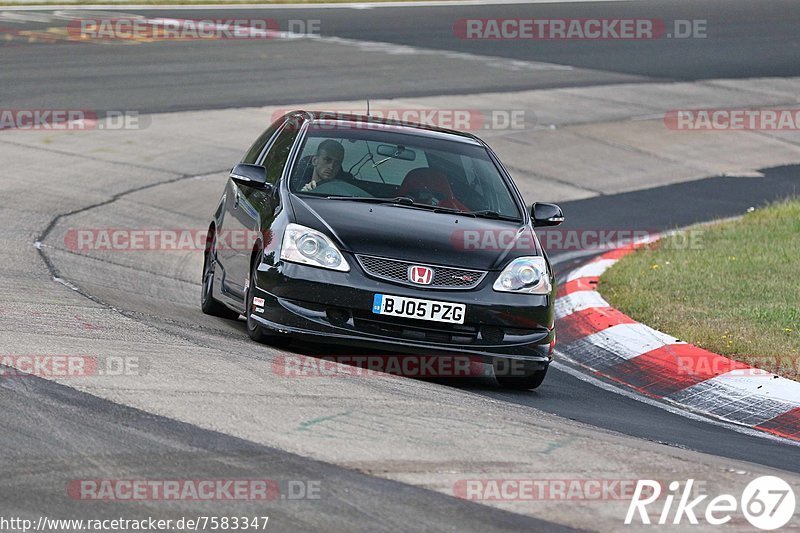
(254,151)
(278,153)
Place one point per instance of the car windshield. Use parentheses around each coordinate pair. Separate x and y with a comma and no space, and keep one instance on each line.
(370,162)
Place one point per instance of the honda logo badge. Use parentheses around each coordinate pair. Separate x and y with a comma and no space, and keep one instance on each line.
(420,275)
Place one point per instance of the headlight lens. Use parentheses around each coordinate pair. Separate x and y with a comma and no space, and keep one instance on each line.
(526,275)
(310,247)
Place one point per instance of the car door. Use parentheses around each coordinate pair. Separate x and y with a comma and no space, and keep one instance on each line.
(234,220)
(254,207)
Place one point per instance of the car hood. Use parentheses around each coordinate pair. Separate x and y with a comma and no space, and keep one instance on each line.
(417,235)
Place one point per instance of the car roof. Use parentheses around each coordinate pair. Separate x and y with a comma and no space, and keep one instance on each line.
(422,130)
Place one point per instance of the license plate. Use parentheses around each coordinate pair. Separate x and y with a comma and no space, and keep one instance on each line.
(384,304)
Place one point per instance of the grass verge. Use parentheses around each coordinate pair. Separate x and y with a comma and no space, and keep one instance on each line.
(732,288)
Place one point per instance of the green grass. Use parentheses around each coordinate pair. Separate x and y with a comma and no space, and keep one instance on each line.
(736,292)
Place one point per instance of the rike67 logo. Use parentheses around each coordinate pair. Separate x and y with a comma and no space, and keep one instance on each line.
(767,502)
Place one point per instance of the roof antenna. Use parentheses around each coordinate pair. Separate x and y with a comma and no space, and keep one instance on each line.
(367,106)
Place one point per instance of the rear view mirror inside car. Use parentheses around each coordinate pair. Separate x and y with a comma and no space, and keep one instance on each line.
(396,152)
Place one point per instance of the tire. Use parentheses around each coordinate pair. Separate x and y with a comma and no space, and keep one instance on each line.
(208,303)
(529,381)
(256,331)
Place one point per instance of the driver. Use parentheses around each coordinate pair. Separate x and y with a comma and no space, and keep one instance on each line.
(326,165)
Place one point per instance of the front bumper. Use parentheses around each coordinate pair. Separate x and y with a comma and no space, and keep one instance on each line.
(336,307)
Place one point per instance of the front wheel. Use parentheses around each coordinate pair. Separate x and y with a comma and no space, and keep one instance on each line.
(518,379)
(208,303)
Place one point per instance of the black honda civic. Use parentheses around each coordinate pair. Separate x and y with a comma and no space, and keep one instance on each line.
(384,235)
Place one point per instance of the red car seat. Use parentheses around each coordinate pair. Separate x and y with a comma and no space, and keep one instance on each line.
(425,184)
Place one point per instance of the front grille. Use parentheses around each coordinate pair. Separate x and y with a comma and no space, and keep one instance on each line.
(397,271)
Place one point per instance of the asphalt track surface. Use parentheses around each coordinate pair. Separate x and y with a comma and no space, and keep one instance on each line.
(42,420)
(52,431)
(744,39)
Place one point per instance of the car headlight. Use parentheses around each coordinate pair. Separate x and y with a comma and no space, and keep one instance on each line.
(310,247)
(526,275)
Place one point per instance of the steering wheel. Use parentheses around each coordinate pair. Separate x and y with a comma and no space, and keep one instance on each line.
(338,187)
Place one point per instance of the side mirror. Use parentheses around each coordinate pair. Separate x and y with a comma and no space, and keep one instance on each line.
(250,175)
(546,214)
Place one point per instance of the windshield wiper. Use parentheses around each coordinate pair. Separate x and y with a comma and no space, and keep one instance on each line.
(488,213)
(403,200)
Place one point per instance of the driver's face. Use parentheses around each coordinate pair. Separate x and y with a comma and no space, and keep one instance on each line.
(326,165)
